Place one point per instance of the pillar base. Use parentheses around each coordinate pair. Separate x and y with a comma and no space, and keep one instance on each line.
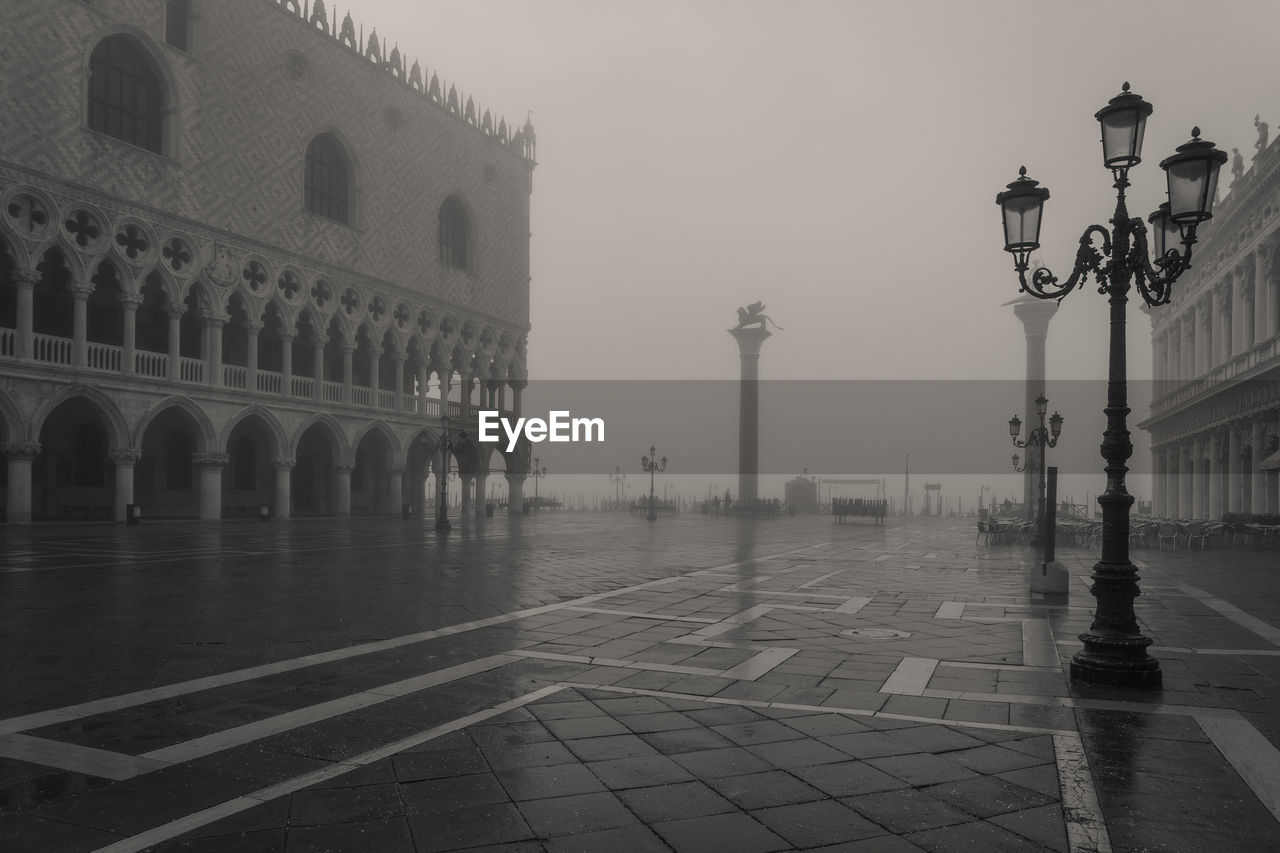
(1140,673)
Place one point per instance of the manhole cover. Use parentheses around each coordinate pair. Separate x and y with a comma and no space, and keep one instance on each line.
(877,633)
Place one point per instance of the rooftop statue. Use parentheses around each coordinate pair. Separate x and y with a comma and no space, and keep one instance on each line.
(1263,131)
(753,314)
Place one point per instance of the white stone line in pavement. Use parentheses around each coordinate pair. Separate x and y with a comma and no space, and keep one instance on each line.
(633,614)
(950,610)
(756,666)
(155,694)
(1182,651)
(76,758)
(1264,630)
(816,709)
(816,581)
(1250,753)
(775,594)
(621,663)
(1038,646)
(1086,830)
(174,828)
(854,604)
(881,557)
(1016,667)
(189,750)
(911,677)
(743,586)
(730,622)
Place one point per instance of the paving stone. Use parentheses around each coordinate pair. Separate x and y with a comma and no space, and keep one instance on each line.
(769,788)
(848,779)
(443,796)
(920,768)
(675,801)
(978,837)
(817,823)
(259,841)
(869,744)
(762,731)
(496,823)
(558,817)
(1044,825)
(731,833)
(609,747)
(342,805)
(638,839)
(986,796)
(639,772)
(907,810)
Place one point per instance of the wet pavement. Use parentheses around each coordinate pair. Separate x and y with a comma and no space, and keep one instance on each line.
(594,682)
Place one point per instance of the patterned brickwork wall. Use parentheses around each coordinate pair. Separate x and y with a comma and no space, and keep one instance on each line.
(258,86)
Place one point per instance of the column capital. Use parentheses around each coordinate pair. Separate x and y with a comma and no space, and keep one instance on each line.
(80,290)
(254,326)
(20,449)
(211,460)
(175,310)
(516,478)
(130,301)
(214,318)
(26,279)
(281,464)
(125,455)
(395,469)
(344,467)
(319,339)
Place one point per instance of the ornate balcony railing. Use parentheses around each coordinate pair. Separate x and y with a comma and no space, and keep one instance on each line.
(1222,373)
(146,363)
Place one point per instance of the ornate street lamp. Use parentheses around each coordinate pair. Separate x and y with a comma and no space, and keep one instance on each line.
(1041,437)
(538,474)
(1115,651)
(650,465)
(617,478)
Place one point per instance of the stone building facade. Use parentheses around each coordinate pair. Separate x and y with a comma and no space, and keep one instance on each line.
(248,256)
(1215,413)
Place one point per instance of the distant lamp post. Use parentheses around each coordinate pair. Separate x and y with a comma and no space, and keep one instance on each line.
(650,465)
(617,478)
(442,501)
(1115,651)
(538,474)
(1043,438)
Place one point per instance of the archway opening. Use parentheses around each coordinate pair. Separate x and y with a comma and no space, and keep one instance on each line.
(370,479)
(166,482)
(73,478)
(248,480)
(313,488)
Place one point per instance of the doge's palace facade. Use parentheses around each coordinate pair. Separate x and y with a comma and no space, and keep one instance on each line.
(248,256)
(1215,413)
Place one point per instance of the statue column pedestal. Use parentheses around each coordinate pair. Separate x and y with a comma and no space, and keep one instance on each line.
(749,342)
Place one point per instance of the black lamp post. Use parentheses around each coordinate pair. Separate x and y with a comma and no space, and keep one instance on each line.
(617,478)
(1115,651)
(538,474)
(1043,438)
(650,465)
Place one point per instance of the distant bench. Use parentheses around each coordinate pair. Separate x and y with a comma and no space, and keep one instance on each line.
(845,508)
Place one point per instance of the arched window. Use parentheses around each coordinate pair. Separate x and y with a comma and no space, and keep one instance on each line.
(328,178)
(177,459)
(124,94)
(177,24)
(453,233)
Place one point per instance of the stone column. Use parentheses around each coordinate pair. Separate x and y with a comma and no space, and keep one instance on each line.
(1223,293)
(1246,307)
(399,380)
(1185,469)
(1204,354)
(317,391)
(1171,482)
(342,489)
(19,455)
(482,484)
(749,342)
(347,350)
(25,281)
(283,502)
(1035,315)
(468,483)
(517,387)
(210,465)
(213,324)
(375,353)
(129,303)
(80,324)
(465,407)
(1257,479)
(1198,507)
(1235,490)
(1215,475)
(286,364)
(1263,259)
(515,493)
(174,365)
(1237,310)
(396,488)
(125,458)
(421,397)
(253,327)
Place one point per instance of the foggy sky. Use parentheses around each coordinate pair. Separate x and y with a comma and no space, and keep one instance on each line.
(837,160)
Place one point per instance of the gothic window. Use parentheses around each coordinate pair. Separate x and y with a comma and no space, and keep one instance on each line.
(124,94)
(453,234)
(328,178)
(177,24)
(178,461)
